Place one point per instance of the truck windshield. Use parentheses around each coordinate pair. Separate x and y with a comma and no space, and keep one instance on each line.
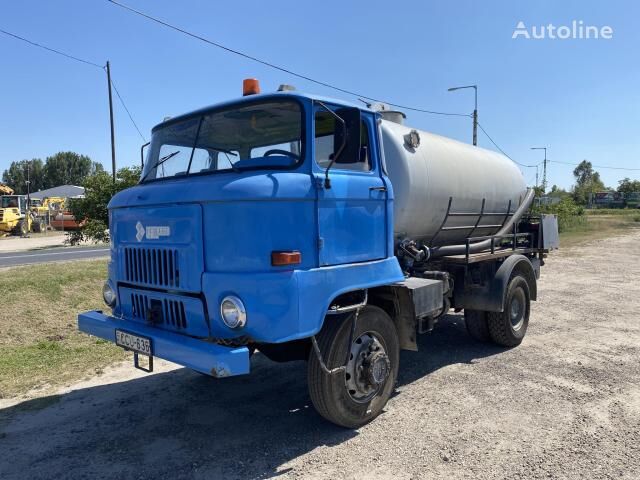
(258,135)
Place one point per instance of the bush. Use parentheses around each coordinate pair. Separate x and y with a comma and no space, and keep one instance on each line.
(570,215)
(99,188)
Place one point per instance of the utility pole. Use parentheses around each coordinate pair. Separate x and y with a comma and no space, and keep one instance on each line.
(475,110)
(475,117)
(27,213)
(113,139)
(544,168)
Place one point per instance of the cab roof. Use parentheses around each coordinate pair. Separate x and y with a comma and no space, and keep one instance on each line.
(293,95)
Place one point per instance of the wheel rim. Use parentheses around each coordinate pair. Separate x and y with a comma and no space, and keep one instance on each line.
(517,309)
(367,369)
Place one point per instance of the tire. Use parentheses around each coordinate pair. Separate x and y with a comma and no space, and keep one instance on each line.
(22,228)
(477,325)
(334,395)
(509,327)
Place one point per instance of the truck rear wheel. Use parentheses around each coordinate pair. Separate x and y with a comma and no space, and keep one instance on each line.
(508,328)
(357,395)
(477,324)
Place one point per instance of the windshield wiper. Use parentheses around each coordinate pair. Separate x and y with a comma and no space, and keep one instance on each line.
(160,162)
(227,153)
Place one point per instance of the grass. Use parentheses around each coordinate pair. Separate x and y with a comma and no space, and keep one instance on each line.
(597,225)
(612,211)
(39,340)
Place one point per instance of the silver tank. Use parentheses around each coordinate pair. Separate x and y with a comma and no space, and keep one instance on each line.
(426,175)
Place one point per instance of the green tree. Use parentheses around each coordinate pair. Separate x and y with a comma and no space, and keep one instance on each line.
(626,185)
(16,175)
(69,168)
(558,192)
(587,182)
(99,188)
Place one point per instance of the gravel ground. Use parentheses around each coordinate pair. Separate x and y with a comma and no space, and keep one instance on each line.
(565,404)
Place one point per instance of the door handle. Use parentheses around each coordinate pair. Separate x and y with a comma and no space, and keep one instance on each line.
(379,189)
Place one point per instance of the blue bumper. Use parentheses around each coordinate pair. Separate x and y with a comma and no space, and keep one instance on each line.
(199,355)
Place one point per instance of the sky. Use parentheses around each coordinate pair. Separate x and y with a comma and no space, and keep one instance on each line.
(578,97)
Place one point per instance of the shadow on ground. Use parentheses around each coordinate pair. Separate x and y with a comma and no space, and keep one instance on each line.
(181,424)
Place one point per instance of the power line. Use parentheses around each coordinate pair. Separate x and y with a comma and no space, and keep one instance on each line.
(595,166)
(274,66)
(502,151)
(552,161)
(78,59)
(277,67)
(127,110)
(72,57)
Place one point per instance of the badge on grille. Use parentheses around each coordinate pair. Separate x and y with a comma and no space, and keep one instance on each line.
(152,232)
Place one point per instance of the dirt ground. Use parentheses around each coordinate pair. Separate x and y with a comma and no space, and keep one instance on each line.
(565,404)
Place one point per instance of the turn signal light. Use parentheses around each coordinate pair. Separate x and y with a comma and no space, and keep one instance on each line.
(250,86)
(285,258)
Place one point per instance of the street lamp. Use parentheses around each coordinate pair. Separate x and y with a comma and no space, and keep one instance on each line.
(544,168)
(475,110)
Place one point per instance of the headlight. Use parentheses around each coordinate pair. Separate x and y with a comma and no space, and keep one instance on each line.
(109,295)
(233,313)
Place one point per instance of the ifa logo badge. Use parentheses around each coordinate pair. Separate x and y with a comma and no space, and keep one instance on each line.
(151,232)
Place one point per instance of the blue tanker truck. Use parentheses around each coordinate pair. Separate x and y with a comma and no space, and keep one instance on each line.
(308,228)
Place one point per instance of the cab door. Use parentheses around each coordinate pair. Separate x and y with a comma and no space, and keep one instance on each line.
(352,206)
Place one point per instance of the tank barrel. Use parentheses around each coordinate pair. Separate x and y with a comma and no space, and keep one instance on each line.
(446,190)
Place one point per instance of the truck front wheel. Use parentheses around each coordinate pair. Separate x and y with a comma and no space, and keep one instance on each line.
(357,394)
(508,328)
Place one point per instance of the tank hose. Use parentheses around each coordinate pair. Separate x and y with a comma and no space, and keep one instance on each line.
(445,250)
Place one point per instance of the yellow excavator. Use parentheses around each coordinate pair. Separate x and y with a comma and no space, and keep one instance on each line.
(16,218)
(47,208)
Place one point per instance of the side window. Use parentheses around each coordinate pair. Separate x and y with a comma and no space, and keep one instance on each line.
(325,125)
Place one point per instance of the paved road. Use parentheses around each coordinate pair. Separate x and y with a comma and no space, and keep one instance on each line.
(11,259)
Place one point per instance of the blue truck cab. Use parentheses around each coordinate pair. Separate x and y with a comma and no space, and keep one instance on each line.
(266,223)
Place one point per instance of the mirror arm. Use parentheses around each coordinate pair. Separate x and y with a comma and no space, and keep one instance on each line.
(327,181)
(142,154)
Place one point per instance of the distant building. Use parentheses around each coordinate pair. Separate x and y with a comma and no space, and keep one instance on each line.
(608,199)
(65,191)
(632,200)
(546,200)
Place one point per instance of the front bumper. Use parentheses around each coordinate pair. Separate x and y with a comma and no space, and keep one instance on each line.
(205,357)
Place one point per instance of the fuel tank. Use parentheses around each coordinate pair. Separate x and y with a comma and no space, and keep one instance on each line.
(428,170)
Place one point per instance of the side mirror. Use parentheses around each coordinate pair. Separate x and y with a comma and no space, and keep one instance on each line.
(346,138)
(142,154)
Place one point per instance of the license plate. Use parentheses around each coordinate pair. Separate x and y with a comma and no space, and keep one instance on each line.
(133,342)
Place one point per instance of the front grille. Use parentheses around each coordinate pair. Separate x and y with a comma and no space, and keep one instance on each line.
(173,311)
(152,266)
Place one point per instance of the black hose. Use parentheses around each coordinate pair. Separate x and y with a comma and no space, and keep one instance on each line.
(445,250)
